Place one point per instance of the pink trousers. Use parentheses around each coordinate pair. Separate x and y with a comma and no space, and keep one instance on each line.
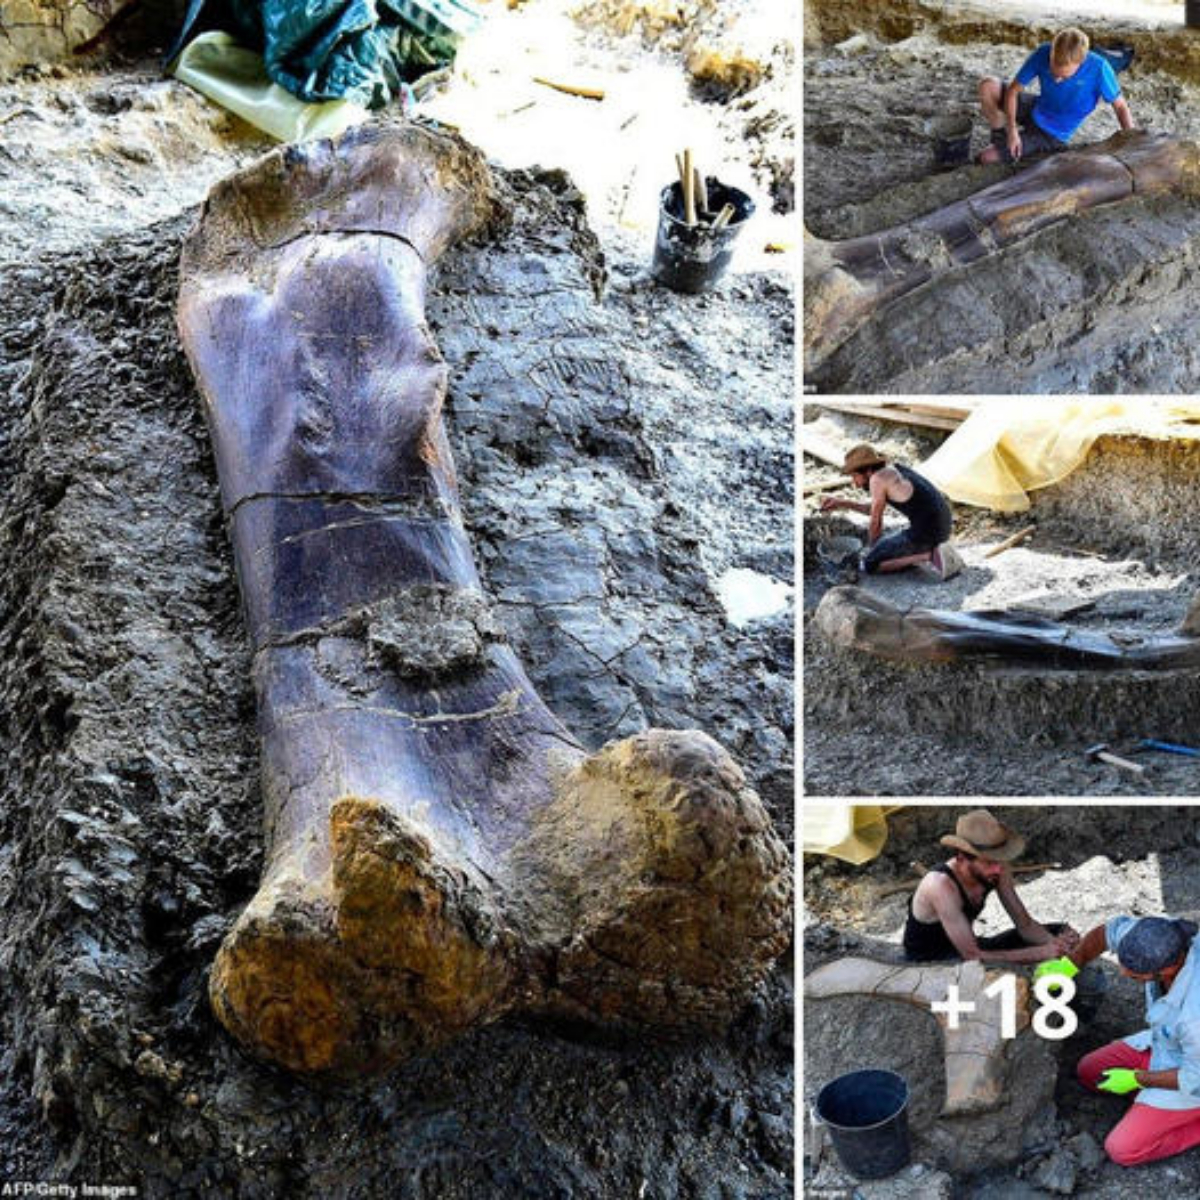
(1143,1134)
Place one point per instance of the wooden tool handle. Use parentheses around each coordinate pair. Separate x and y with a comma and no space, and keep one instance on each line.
(1123,763)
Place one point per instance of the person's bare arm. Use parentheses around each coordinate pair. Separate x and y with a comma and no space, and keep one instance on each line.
(879,499)
(832,502)
(1158,1079)
(1011,99)
(1092,945)
(1029,929)
(1124,116)
(948,906)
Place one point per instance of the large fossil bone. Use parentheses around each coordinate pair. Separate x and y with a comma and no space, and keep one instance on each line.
(974,1044)
(440,850)
(846,282)
(856,619)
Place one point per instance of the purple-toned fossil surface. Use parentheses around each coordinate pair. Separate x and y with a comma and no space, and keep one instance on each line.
(855,619)
(845,282)
(440,849)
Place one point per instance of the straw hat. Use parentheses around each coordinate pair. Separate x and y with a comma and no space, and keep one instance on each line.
(979,833)
(859,457)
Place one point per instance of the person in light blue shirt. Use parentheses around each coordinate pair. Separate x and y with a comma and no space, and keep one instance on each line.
(1160,1064)
(1071,80)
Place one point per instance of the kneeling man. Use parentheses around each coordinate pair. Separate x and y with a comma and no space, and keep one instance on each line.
(951,896)
(926,540)
(1071,79)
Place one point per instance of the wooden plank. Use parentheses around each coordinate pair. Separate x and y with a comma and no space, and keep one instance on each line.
(1009,542)
(954,410)
(817,447)
(898,416)
(832,485)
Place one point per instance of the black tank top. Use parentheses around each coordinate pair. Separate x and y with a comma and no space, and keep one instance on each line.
(928,940)
(926,509)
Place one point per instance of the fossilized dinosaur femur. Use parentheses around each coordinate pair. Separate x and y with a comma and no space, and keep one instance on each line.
(853,618)
(846,282)
(440,850)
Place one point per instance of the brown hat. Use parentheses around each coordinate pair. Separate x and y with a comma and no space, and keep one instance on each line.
(979,833)
(859,457)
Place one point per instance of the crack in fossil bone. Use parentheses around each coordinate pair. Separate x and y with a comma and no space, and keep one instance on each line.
(441,851)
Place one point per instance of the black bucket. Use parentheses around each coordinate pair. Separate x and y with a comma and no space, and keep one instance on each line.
(867,1115)
(951,138)
(692,258)
(1191,14)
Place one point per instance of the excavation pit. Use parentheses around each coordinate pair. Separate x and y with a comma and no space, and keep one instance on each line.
(1109,561)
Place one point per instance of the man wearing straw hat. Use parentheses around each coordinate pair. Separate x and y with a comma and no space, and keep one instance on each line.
(951,896)
(925,541)
(1159,1066)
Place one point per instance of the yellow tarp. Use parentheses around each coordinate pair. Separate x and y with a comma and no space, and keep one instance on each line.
(235,78)
(1008,448)
(855,833)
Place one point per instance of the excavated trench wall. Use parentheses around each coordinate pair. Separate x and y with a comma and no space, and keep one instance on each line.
(1174,49)
(1131,498)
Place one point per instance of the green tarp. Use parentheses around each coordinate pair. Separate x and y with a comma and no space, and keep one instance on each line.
(361,51)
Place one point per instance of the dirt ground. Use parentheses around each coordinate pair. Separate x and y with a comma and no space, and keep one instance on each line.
(1112,541)
(621,451)
(1095,303)
(1112,860)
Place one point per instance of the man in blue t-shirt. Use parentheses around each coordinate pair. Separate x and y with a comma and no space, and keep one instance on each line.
(1072,81)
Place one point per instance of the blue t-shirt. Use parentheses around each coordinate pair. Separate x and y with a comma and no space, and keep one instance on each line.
(1063,106)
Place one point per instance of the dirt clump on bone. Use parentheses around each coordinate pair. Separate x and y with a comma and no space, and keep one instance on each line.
(432,630)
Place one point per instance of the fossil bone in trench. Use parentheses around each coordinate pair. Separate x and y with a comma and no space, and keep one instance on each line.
(846,282)
(440,850)
(855,619)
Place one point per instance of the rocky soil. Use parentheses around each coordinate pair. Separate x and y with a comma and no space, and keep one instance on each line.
(1113,542)
(620,448)
(1143,860)
(1096,303)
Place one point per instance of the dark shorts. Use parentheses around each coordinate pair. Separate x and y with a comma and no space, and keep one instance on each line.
(905,542)
(1010,940)
(1034,139)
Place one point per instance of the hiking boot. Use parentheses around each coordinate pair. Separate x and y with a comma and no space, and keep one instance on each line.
(946,561)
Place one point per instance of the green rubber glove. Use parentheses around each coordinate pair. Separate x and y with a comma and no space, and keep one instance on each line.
(1056,966)
(1118,1081)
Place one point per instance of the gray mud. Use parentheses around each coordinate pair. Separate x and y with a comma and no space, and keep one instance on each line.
(1094,304)
(1143,860)
(619,448)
